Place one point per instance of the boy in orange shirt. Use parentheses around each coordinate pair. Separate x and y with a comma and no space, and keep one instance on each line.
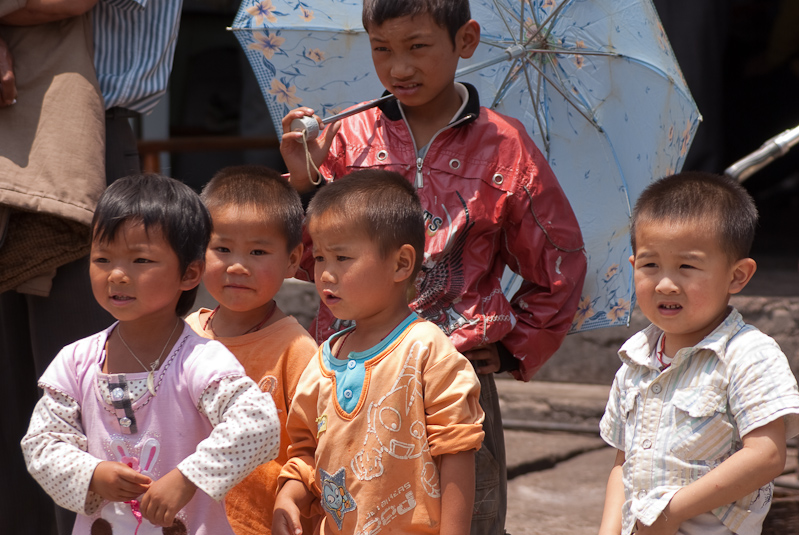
(386,418)
(255,244)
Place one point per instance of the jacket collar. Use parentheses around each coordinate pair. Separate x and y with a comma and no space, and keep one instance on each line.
(471,111)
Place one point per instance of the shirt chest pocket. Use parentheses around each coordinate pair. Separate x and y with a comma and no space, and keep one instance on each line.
(702,427)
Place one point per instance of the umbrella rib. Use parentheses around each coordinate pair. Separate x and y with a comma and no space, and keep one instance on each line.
(537,104)
(566,97)
(572,51)
(497,44)
(566,51)
(501,92)
(546,21)
(532,12)
(505,22)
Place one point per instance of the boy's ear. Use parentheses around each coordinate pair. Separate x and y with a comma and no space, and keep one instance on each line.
(742,272)
(294,261)
(193,275)
(467,39)
(405,260)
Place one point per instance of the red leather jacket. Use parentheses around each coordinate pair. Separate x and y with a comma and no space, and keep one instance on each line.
(490,200)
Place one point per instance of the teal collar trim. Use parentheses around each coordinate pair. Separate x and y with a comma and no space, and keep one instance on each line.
(351,372)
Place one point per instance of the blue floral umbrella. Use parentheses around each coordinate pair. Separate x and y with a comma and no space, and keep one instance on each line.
(595,83)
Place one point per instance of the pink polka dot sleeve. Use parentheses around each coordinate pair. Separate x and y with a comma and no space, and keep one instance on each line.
(55,449)
(246,433)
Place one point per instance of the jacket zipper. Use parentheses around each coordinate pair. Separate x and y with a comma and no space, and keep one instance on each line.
(419,182)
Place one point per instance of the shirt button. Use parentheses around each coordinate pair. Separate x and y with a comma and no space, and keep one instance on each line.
(656,388)
(641,494)
(117,394)
(125,422)
(646,444)
(348,393)
(351,364)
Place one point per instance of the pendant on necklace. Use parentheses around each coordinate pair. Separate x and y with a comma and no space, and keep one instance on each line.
(151,382)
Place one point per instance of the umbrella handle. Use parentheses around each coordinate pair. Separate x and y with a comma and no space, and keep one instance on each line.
(311,127)
(307,124)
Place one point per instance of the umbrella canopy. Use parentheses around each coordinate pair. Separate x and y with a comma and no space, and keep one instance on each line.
(595,83)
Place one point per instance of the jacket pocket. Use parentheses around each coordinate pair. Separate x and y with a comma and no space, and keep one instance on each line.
(702,427)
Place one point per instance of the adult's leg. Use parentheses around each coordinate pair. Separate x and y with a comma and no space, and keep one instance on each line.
(491,475)
(24,507)
(121,152)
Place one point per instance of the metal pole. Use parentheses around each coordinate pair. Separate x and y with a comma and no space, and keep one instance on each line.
(772,149)
(311,127)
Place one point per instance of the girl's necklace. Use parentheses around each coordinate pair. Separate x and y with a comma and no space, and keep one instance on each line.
(156,363)
(251,329)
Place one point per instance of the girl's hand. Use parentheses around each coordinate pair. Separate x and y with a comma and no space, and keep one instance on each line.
(166,497)
(118,482)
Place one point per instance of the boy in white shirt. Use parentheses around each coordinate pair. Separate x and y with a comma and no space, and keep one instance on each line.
(703,403)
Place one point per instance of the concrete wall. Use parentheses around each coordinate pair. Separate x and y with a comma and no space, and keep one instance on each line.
(591,357)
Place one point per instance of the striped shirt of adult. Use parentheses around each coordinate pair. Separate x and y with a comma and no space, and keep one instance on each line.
(134,46)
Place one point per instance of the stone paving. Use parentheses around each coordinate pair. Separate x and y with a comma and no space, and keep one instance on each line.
(557,480)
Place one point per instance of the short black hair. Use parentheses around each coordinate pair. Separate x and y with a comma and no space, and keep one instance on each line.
(449,14)
(262,189)
(159,203)
(382,203)
(718,200)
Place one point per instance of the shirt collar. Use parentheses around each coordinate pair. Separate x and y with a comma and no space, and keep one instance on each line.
(469,111)
(637,351)
(363,356)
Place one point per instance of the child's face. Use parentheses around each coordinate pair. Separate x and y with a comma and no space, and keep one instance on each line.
(416,60)
(683,280)
(352,278)
(246,260)
(137,276)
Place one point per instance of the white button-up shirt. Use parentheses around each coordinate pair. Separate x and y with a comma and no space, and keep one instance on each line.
(677,424)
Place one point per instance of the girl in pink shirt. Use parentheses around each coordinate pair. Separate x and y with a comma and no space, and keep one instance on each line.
(138,417)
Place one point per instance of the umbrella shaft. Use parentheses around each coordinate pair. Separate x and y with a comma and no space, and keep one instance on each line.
(357,109)
(512,52)
(311,127)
